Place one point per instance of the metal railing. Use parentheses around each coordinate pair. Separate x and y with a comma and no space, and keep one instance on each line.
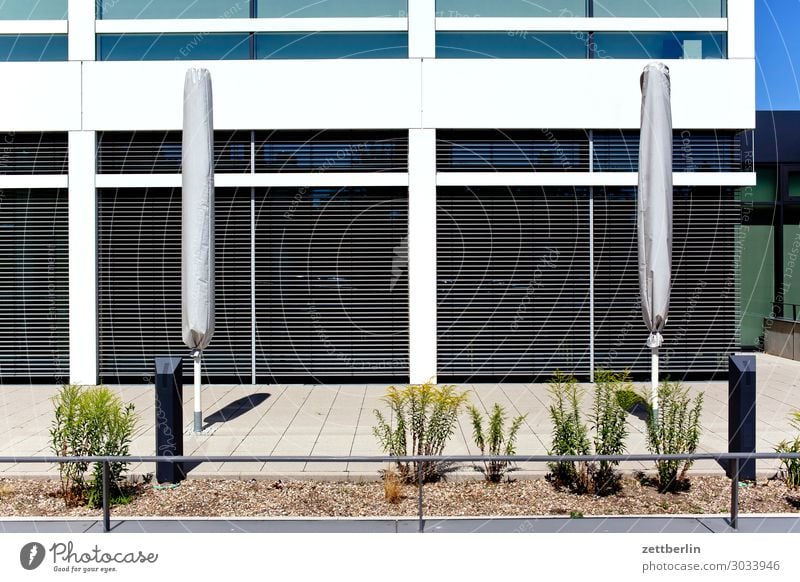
(733,458)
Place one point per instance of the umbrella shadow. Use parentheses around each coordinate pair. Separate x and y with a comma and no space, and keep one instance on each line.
(235,409)
(640,411)
(229,412)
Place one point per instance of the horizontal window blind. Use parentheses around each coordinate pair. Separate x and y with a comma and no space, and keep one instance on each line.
(331,151)
(159,152)
(546,150)
(513,288)
(514,292)
(139,283)
(148,152)
(33,153)
(692,151)
(702,327)
(332,283)
(34,286)
(331,296)
(496,150)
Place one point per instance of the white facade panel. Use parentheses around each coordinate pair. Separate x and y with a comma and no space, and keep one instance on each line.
(741,29)
(578,179)
(82,259)
(323,94)
(25,182)
(81,30)
(577,94)
(421,29)
(40,96)
(422,255)
(33,27)
(452,93)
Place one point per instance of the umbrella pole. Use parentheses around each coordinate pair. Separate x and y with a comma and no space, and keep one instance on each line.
(654,382)
(198,410)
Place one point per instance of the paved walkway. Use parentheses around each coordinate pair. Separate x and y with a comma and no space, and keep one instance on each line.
(674,525)
(338,419)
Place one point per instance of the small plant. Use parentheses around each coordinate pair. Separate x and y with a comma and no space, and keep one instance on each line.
(422,419)
(610,427)
(570,434)
(576,514)
(790,468)
(91,421)
(674,430)
(67,438)
(392,487)
(494,440)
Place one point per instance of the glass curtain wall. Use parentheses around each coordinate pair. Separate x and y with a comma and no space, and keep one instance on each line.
(33,9)
(583,8)
(132,9)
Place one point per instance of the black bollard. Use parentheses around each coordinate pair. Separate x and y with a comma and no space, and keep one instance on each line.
(742,412)
(169,417)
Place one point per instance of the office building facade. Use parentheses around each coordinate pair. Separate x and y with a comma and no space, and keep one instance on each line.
(405,189)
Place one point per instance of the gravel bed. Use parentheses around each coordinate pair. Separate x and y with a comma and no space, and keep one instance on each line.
(258,498)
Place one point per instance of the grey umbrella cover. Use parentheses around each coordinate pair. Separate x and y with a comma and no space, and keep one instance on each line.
(197,271)
(654,207)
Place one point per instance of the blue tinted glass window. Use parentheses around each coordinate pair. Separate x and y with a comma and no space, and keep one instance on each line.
(661,8)
(537,8)
(33,9)
(170,47)
(660,45)
(332,45)
(330,8)
(33,47)
(510,45)
(132,9)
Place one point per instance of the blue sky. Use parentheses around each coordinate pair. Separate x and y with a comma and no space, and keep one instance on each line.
(778,54)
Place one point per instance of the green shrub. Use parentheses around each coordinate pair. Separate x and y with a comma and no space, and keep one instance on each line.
(674,430)
(67,438)
(610,427)
(422,419)
(790,468)
(570,434)
(492,440)
(90,421)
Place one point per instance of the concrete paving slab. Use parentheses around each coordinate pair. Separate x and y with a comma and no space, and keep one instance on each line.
(755,524)
(249,526)
(47,527)
(196,470)
(241,467)
(707,525)
(558,525)
(29,468)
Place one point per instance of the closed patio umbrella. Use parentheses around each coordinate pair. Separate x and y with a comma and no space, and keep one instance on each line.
(197,252)
(654,209)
